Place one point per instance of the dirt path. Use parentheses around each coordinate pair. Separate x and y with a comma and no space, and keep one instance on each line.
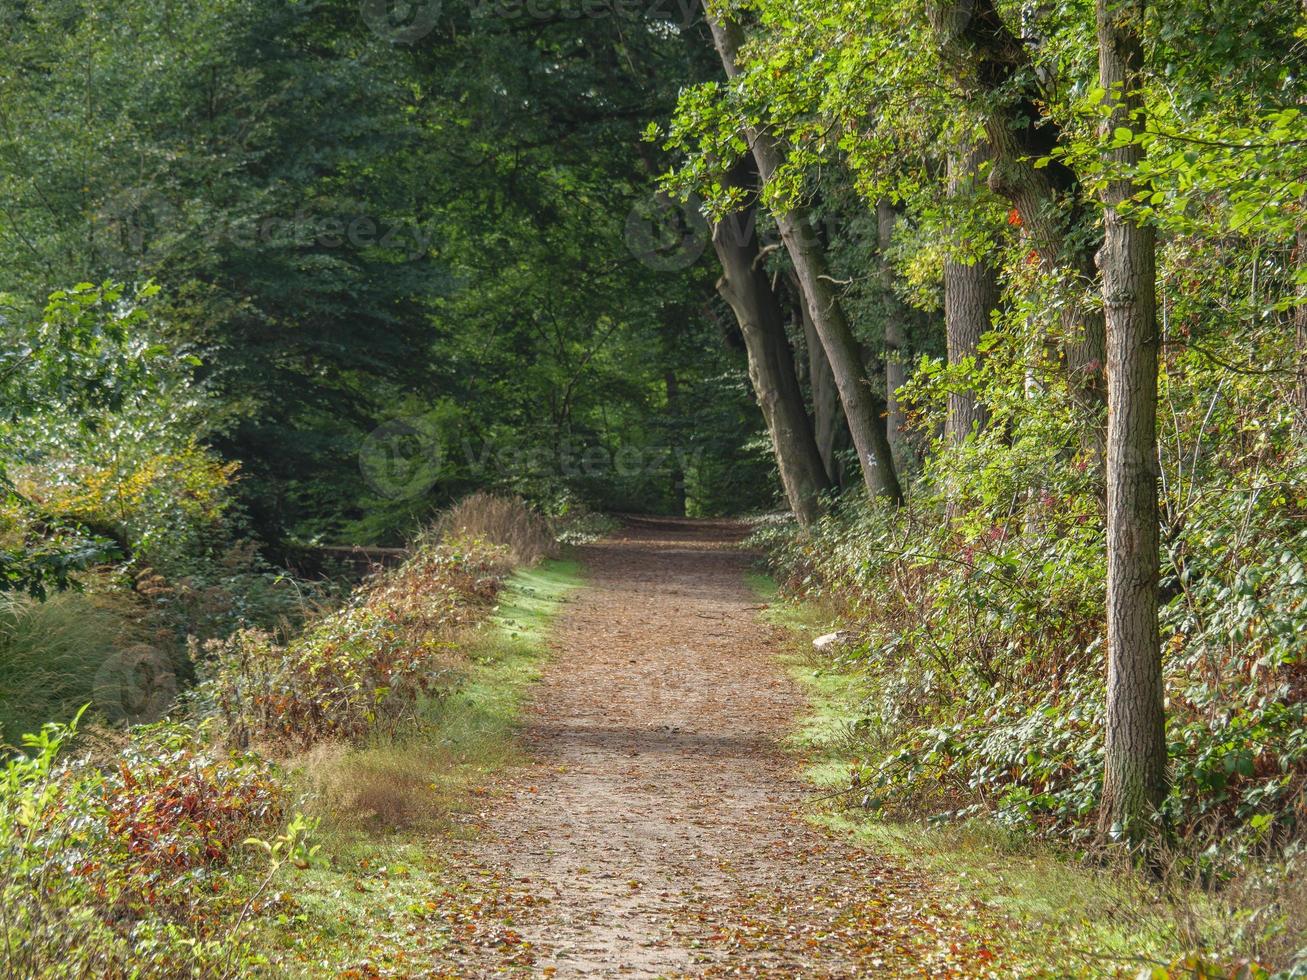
(658,832)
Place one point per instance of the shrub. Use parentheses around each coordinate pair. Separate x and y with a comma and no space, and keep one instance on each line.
(506,522)
(580,525)
(980,638)
(362,667)
(133,866)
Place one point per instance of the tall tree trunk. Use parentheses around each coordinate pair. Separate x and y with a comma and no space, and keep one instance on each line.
(744,285)
(970,295)
(673,387)
(1300,333)
(1135,777)
(896,341)
(994,70)
(864,409)
(829,426)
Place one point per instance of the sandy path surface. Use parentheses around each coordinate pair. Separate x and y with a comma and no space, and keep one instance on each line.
(659,830)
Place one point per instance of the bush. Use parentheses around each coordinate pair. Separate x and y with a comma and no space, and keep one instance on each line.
(130,860)
(580,525)
(978,612)
(362,667)
(132,866)
(505,522)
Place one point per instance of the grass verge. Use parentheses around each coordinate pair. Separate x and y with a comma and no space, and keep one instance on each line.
(1072,920)
(386,897)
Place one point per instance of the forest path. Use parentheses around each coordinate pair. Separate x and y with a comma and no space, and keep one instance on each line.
(657,830)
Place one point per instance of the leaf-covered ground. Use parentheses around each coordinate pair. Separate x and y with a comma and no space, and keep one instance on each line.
(658,828)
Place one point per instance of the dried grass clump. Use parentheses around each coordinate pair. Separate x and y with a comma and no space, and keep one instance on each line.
(388,786)
(506,522)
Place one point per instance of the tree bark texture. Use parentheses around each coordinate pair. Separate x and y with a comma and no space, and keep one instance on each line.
(971,294)
(896,341)
(994,69)
(1135,773)
(827,415)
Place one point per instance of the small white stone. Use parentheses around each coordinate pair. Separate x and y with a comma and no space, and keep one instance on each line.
(830,640)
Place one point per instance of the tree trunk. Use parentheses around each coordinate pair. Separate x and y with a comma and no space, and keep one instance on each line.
(863,407)
(744,285)
(970,295)
(994,70)
(1135,777)
(673,386)
(828,417)
(896,341)
(1300,334)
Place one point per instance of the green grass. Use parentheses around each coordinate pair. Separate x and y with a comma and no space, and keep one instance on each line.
(374,895)
(1073,920)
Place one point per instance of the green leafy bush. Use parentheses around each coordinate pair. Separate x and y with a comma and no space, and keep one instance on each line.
(978,610)
(131,865)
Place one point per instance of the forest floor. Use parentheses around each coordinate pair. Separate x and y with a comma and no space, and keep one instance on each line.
(657,827)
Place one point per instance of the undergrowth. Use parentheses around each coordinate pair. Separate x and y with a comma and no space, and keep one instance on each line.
(1073,915)
(388,897)
(158,850)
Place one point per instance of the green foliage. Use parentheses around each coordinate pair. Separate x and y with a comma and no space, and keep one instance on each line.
(138,857)
(980,621)
(134,865)
(349,231)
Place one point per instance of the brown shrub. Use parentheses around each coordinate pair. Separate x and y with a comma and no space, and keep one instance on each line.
(364,667)
(507,522)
